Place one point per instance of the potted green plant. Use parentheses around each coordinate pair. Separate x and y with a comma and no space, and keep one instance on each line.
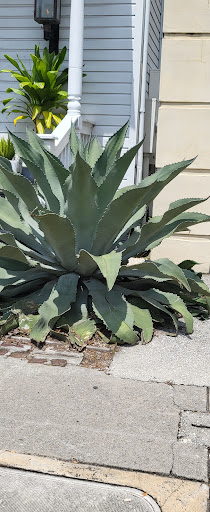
(7,151)
(7,148)
(41,96)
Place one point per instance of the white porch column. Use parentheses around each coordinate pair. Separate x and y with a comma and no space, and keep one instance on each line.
(75,57)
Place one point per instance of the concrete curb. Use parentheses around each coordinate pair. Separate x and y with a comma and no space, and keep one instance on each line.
(171,494)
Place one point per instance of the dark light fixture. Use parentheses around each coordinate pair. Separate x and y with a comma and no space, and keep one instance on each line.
(47,13)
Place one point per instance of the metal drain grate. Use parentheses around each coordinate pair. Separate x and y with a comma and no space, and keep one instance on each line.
(22,491)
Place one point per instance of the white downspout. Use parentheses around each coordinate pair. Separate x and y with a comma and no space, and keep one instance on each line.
(143,90)
(76,39)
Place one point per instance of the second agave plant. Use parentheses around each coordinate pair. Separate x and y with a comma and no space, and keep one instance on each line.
(66,242)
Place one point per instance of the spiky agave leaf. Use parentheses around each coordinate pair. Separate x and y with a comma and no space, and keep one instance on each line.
(65,242)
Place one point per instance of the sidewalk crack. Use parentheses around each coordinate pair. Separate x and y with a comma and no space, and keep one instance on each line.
(173,492)
(172,464)
(207,400)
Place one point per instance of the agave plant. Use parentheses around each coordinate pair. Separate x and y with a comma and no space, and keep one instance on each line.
(69,260)
(40,95)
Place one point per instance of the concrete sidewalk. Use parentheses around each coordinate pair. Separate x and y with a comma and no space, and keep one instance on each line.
(182,359)
(148,413)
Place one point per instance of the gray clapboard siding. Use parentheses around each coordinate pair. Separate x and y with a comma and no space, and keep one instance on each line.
(108,51)
(108,63)
(154,38)
(108,25)
(102,99)
(111,57)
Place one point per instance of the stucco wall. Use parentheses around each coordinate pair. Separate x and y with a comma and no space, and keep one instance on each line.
(184,120)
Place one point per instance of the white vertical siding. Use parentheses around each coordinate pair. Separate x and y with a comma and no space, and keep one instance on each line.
(154,38)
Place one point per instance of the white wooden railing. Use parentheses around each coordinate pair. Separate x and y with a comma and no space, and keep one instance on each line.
(58,141)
